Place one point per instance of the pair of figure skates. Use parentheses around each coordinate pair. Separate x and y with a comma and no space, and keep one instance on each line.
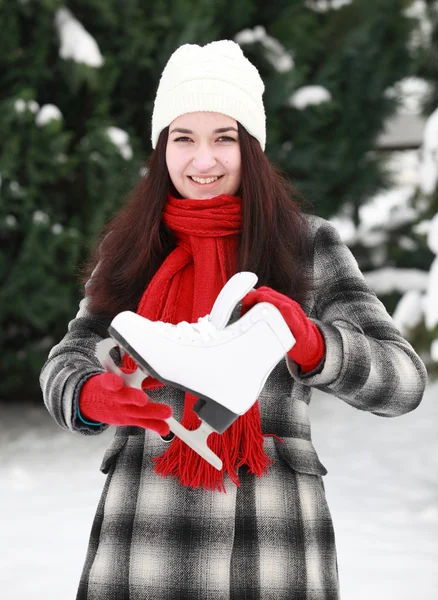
(225,365)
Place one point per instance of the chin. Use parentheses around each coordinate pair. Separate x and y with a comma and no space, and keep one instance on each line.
(206,195)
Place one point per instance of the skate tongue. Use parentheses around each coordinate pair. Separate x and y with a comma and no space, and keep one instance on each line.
(230,295)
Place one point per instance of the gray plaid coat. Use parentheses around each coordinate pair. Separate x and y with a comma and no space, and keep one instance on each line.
(273,538)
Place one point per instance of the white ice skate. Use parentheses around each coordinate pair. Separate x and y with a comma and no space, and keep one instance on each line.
(226,366)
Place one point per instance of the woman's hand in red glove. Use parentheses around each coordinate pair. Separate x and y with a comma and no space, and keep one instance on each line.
(104,398)
(309,347)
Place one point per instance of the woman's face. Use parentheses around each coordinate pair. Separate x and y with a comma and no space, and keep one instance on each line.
(203,155)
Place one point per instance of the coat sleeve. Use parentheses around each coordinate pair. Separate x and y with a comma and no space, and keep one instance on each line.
(69,364)
(368,364)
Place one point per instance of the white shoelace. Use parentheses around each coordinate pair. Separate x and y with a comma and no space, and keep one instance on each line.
(184,331)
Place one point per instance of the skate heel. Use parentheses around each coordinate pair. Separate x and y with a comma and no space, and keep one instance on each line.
(215,415)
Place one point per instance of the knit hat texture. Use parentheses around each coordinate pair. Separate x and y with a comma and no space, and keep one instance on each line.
(216,77)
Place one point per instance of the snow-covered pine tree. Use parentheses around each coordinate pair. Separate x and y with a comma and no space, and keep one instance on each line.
(96,64)
(326,94)
(64,167)
(416,313)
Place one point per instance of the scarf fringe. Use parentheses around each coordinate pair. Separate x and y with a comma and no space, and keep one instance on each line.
(241,444)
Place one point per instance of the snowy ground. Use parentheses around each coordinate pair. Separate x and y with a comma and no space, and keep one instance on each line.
(381,487)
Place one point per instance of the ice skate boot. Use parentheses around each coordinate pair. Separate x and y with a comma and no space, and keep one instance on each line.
(226,366)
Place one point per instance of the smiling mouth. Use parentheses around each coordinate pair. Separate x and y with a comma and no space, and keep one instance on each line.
(205,180)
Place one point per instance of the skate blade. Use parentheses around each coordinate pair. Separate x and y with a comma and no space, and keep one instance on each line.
(195,439)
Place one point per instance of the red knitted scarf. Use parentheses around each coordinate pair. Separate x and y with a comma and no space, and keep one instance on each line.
(184,289)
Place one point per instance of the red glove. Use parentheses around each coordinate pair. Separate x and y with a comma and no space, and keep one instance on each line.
(309,347)
(104,398)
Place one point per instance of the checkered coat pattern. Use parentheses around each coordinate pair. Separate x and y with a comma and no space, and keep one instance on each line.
(272,538)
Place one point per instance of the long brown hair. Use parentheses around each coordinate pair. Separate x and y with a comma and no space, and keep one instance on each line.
(274,242)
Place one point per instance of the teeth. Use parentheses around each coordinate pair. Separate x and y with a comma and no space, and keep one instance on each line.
(207,180)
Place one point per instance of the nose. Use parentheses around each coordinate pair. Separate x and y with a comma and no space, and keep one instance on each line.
(204,159)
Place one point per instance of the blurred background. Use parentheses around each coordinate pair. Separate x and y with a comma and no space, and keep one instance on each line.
(352,116)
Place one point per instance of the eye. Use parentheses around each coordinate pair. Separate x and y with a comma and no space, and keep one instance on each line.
(182,139)
(227,138)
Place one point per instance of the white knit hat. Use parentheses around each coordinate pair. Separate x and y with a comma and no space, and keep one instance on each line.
(213,78)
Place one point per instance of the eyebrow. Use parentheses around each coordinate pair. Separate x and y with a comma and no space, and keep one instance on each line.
(189,131)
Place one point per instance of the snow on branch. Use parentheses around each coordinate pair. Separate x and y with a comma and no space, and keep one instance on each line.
(432,234)
(391,279)
(276,54)
(76,43)
(422,34)
(430,300)
(21,105)
(48,113)
(323,6)
(120,139)
(429,155)
(411,93)
(309,95)
(409,312)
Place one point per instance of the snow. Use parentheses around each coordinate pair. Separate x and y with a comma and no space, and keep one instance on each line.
(387,209)
(76,43)
(40,217)
(33,106)
(429,162)
(57,228)
(309,95)
(412,93)
(381,489)
(408,313)
(48,113)
(21,105)
(422,228)
(390,206)
(428,174)
(407,243)
(390,279)
(403,167)
(434,350)
(432,234)
(16,188)
(430,300)
(61,158)
(323,6)
(11,220)
(275,52)
(428,185)
(422,34)
(120,139)
(345,227)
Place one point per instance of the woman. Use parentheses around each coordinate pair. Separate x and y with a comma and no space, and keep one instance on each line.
(212,205)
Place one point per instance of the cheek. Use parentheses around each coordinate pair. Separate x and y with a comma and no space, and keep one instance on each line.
(232,160)
(237,166)
(174,163)
(236,161)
